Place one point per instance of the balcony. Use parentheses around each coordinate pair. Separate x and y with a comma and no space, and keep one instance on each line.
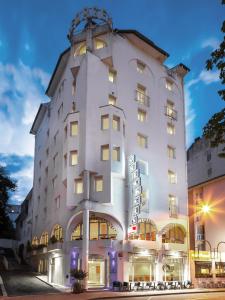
(142,98)
(171,113)
(55,246)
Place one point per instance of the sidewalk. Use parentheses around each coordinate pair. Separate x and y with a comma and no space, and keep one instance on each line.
(99,295)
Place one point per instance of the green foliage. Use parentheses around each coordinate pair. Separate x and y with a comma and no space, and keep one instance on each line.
(214,130)
(7,185)
(78,274)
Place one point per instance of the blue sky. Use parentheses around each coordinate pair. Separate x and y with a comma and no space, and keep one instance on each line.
(33,34)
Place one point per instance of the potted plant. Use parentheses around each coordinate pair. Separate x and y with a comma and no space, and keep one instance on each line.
(78,275)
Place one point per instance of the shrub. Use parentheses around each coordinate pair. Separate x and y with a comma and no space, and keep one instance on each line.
(78,275)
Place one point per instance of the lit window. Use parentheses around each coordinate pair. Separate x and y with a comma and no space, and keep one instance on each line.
(172,177)
(57,232)
(112,75)
(142,140)
(170,129)
(99,44)
(81,50)
(35,241)
(74,128)
(99,184)
(116,123)
(141,115)
(112,100)
(140,66)
(79,186)
(141,93)
(170,111)
(44,238)
(73,158)
(105,122)
(116,153)
(171,151)
(105,152)
(169,85)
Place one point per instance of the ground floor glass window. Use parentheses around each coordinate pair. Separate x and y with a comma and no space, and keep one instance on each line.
(203,269)
(142,268)
(173,269)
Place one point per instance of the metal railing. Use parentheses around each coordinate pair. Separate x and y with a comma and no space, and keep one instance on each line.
(142,98)
(170,112)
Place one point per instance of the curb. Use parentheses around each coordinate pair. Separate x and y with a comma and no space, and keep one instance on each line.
(158,295)
(44,281)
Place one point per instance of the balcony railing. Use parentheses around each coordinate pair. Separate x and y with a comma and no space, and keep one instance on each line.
(142,98)
(171,113)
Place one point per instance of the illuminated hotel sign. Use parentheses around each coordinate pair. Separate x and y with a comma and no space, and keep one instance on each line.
(135,180)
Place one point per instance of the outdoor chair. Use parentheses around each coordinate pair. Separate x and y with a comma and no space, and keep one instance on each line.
(188,284)
(125,286)
(160,285)
(138,286)
(117,285)
(150,285)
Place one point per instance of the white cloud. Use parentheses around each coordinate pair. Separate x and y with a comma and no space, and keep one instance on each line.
(209,76)
(21,92)
(211,42)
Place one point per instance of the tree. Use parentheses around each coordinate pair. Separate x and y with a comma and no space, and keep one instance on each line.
(214,130)
(7,185)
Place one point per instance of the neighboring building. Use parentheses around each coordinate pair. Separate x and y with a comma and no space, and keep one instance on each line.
(206,177)
(24,221)
(110,187)
(13,211)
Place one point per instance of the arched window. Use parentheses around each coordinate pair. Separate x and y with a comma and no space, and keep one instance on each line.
(174,234)
(146,230)
(44,238)
(98,229)
(82,49)
(99,44)
(57,232)
(35,241)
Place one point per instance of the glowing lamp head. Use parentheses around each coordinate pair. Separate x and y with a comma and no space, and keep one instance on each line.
(206,208)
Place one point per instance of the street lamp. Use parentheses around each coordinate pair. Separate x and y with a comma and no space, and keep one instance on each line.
(205,208)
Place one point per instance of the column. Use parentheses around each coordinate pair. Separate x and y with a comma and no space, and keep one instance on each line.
(85,244)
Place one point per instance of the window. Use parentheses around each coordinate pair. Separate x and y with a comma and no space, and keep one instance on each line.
(65,132)
(172,177)
(142,115)
(105,152)
(79,186)
(57,232)
(99,44)
(170,129)
(141,94)
(73,158)
(171,151)
(44,239)
(54,181)
(169,85)
(145,231)
(39,181)
(140,66)
(55,159)
(143,167)
(116,153)
(55,138)
(47,152)
(112,100)
(57,202)
(142,141)
(60,111)
(174,234)
(203,269)
(112,75)
(105,122)
(74,128)
(116,123)
(35,241)
(48,133)
(209,172)
(82,49)
(65,160)
(46,171)
(209,156)
(98,183)
(39,163)
(172,206)
(170,111)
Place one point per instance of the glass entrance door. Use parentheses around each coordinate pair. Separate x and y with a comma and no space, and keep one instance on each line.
(96,273)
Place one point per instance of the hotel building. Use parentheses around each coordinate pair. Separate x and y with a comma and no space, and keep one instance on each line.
(206,179)
(110,188)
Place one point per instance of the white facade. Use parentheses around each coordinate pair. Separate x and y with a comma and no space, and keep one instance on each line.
(106,143)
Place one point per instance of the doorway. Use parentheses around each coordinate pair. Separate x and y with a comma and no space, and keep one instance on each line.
(96,273)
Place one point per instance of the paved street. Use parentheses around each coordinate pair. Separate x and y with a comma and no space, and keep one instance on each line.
(206,296)
(19,283)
